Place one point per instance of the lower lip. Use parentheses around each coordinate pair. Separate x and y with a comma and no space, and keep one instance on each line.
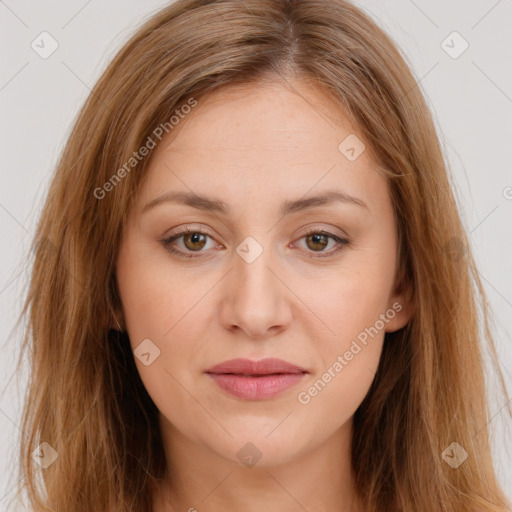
(256,388)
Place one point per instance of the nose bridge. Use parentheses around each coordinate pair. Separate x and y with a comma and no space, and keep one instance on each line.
(252,266)
(257,299)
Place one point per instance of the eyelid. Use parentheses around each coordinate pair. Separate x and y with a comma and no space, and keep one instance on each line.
(189,228)
(327,230)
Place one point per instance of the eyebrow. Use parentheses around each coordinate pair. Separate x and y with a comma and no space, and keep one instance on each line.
(215,205)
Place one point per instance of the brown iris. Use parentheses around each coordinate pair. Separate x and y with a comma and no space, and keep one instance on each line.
(319,240)
(191,239)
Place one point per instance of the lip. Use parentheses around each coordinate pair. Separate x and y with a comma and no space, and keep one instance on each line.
(265,366)
(256,380)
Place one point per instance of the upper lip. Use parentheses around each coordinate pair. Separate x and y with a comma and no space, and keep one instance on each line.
(266,366)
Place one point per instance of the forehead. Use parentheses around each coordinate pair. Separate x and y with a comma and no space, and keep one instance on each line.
(254,142)
(274,116)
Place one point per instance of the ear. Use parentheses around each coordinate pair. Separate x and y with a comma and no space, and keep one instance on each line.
(402,303)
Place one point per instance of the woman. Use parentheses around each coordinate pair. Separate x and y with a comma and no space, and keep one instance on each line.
(251,285)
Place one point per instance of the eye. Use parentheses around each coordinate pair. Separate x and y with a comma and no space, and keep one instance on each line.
(195,240)
(317,240)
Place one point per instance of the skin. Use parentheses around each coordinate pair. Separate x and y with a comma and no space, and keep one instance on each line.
(255,147)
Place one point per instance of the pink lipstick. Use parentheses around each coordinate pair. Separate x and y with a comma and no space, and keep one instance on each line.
(256,380)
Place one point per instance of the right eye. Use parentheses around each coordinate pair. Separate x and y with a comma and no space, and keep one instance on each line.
(194,241)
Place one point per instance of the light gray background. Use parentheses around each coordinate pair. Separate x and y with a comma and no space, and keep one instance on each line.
(470,96)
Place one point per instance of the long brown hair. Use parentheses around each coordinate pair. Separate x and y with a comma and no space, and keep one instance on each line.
(85,398)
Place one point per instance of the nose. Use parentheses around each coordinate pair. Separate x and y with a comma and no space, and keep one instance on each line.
(255,298)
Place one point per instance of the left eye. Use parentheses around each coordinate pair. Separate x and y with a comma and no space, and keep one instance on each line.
(320,240)
(195,240)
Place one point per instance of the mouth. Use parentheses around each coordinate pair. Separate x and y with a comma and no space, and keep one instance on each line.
(267,366)
(256,380)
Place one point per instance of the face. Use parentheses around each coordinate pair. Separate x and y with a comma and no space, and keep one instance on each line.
(260,271)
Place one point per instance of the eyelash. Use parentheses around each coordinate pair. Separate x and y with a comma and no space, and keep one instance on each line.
(166,242)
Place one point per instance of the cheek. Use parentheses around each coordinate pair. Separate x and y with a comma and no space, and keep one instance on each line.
(351,306)
(168,306)
(331,398)
(163,305)
(156,296)
(350,299)
(350,302)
